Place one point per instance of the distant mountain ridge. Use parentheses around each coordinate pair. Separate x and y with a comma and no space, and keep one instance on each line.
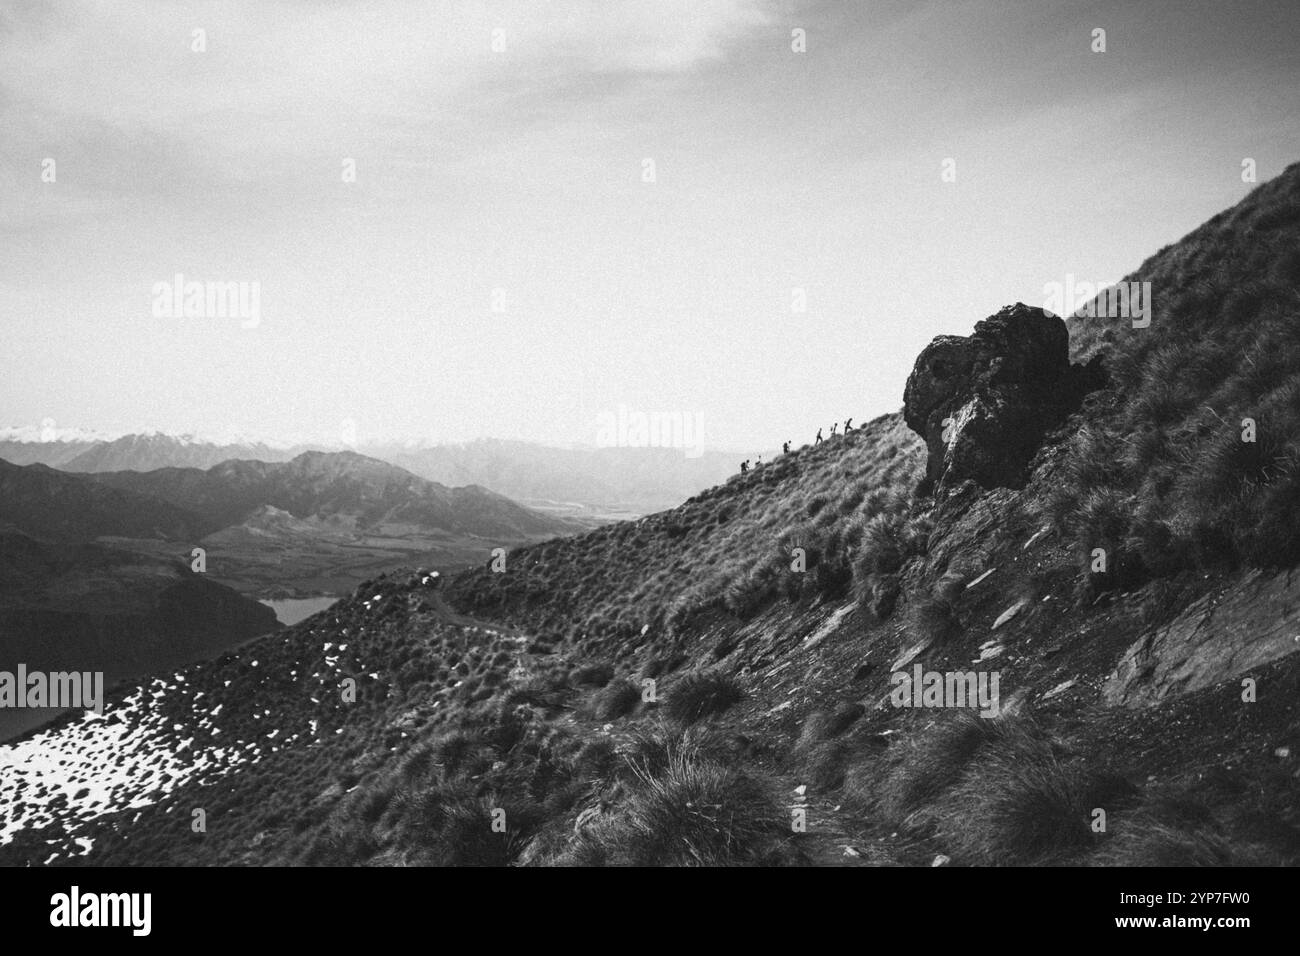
(604,480)
(150,452)
(346,484)
(639,480)
(56,506)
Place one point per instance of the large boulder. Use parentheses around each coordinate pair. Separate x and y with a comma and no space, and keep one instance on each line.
(984,402)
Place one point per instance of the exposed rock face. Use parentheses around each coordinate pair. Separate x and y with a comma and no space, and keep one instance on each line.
(984,402)
(1220,635)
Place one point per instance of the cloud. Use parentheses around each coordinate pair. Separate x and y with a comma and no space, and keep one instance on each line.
(283,80)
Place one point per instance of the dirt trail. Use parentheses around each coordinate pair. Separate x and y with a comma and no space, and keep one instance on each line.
(437,604)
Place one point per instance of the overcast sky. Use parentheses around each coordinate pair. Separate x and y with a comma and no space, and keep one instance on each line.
(503,145)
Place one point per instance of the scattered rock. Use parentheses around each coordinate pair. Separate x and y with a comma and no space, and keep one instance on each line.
(1037,535)
(910,655)
(1010,612)
(1060,688)
(941,860)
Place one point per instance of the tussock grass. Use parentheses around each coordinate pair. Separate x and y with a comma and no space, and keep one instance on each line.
(615,700)
(1163,472)
(694,811)
(935,619)
(915,771)
(1021,804)
(702,694)
(592,675)
(823,725)
(468,834)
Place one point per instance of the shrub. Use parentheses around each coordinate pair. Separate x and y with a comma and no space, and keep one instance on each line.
(935,620)
(467,835)
(597,758)
(460,752)
(1018,803)
(1180,832)
(881,548)
(822,725)
(922,766)
(823,765)
(592,675)
(616,699)
(419,763)
(702,694)
(696,812)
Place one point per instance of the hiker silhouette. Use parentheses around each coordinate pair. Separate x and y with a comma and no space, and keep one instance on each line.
(848,425)
(834,428)
(818,439)
(785,449)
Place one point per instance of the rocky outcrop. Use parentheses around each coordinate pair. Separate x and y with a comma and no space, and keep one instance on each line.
(1220,635)
(984,402)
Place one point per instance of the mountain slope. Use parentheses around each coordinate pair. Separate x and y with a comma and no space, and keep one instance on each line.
(1166,695)
(340,484)
(731,546)
(1193,455)
(51,504)
(91,608)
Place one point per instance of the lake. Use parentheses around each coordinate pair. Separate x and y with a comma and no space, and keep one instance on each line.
(293,610)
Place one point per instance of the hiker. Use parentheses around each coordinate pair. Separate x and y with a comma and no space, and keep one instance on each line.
(848,425)
(785,449)
(818,439)
(834,428)
(744,467)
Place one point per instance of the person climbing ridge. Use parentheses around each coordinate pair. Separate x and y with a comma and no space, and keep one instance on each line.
(744,467)
(834,428)
(785,449)
(818,439)
(848,425)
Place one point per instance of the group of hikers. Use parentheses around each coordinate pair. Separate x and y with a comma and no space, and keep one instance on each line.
(848,427)
(785,447)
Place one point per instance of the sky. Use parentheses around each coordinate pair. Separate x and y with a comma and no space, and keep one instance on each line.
(509,219)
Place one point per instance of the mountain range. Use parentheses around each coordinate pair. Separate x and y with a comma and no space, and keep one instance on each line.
(585,482)
(97,568)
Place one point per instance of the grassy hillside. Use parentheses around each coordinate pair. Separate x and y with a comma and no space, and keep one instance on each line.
(682,691)
(1160,471)
(731,548)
